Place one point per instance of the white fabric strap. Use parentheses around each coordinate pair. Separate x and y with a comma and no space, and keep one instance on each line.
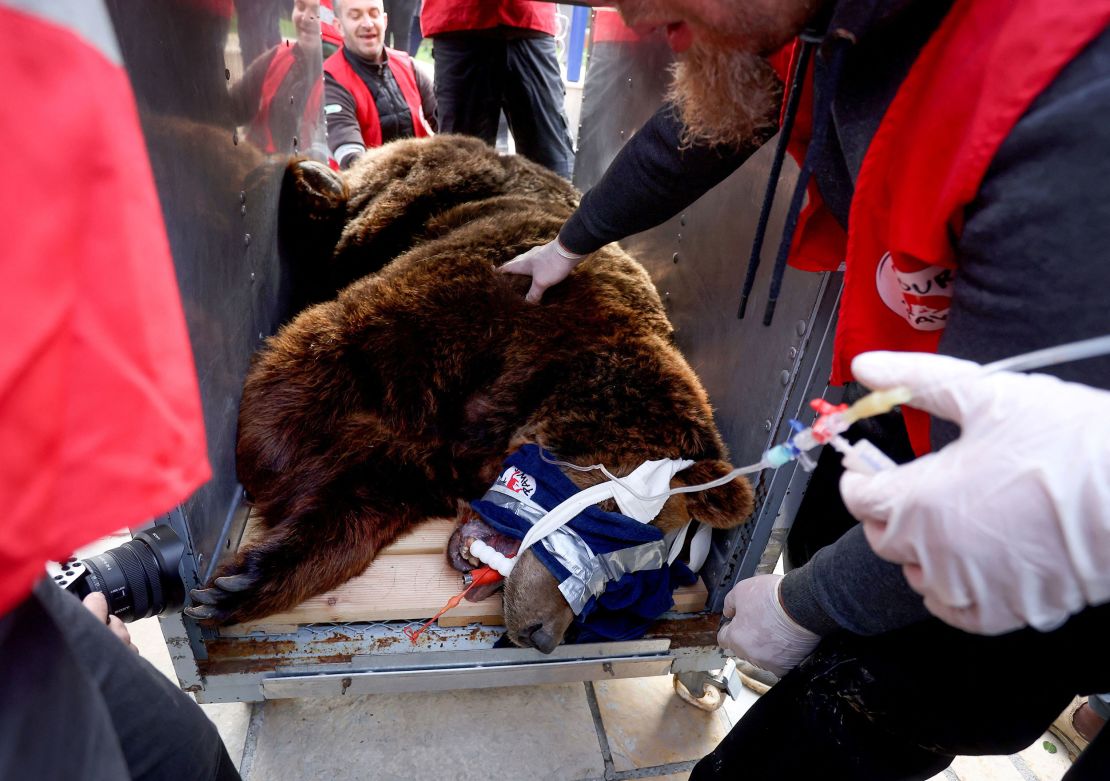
(648,479)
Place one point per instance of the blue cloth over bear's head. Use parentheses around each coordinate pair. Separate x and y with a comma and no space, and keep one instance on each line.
(611,568)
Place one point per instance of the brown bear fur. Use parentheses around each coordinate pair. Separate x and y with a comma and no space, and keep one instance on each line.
(400,398)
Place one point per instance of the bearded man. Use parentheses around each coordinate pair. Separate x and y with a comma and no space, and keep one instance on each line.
(953,156)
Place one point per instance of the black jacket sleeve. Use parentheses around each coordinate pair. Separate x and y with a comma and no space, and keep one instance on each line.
(652,179)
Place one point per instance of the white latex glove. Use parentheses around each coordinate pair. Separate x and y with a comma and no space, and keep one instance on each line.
(548,265)
(760,630)
(1009,525)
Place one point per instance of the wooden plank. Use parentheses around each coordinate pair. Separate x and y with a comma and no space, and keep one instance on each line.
(412,580)
(691,599)
(428,536)
(393,588)
(688,599)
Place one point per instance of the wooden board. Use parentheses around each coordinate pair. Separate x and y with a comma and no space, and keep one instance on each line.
(430,536)
(410,580)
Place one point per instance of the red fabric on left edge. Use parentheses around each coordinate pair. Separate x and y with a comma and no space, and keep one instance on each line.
(100,417)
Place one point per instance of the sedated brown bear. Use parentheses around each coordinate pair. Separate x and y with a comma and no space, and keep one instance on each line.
(398,399)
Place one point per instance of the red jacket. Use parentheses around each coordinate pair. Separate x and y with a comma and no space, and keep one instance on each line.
(400,65)
(100,418)
(972,82)
(448,16)
(282,62)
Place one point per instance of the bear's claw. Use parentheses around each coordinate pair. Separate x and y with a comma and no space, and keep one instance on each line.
(201,612)
(239,582)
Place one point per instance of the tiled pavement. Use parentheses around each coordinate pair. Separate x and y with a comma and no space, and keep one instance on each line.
(617,729)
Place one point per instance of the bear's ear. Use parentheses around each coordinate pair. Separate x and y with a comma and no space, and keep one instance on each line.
(311,214)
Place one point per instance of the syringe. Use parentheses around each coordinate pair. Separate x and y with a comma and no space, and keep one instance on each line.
(832,421)
(862,456)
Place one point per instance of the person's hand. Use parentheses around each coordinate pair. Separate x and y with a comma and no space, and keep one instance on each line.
(1009,525)
(98,606)
(760,630)
(548,265)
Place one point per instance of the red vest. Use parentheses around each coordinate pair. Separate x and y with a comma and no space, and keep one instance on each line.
(400,65)
(279,68)
(447,16)
(608,27)
(975,78)
(329,25)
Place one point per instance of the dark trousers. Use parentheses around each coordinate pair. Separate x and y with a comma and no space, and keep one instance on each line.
(901,705)
(259,26)
(401,15)
(75,702)
(479,75)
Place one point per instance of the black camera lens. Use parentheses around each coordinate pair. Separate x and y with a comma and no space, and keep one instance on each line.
(141,577)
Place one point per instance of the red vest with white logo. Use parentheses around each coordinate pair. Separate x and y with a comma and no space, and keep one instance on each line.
(973,81)
(278,69)
(447,16)
(400,65)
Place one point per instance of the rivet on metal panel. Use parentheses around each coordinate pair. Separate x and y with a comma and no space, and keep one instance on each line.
(767,425)
(295,142)
(235,137)
(792,353)
(260,335)
(682,220)
(622,134)
(227,75)
(290,100)
(242,196)
(784,378)
(243,210)
(630,82)
(674,257)
(801,328)
(252,275)
(679,237)
(246,239)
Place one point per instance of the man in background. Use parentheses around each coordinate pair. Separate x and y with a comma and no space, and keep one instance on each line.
(494,57)
(372,94)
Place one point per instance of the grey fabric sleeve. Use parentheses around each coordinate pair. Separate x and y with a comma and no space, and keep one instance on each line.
(845,585)
(344,134)
(427,93)
(650,180)
(1032,273)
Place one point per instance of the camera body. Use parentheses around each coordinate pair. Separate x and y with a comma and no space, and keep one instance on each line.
(140,578)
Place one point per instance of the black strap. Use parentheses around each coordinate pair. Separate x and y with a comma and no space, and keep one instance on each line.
(809,43)
(822,114)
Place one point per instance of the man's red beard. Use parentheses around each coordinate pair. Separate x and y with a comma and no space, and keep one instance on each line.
(724,96)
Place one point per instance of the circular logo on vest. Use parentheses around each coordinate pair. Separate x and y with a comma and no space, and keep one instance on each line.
(921,297)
